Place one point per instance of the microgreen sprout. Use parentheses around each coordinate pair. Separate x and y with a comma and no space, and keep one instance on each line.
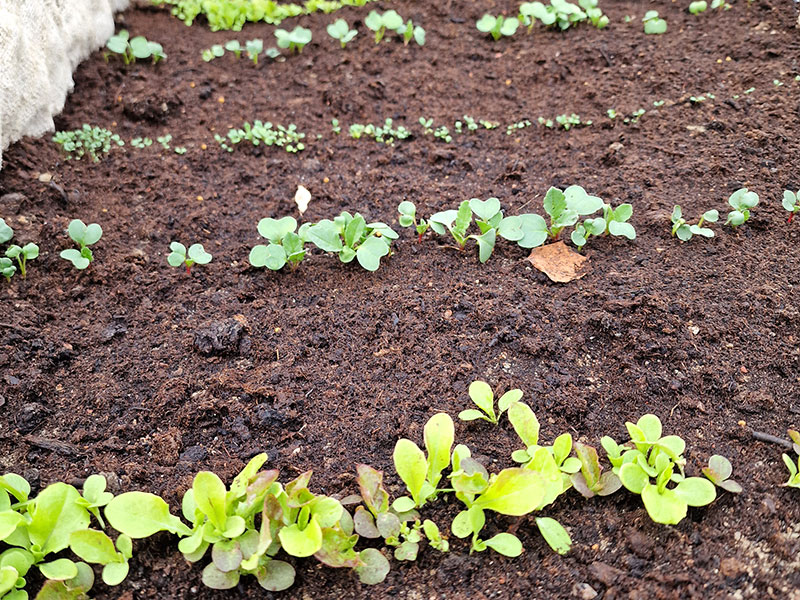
(385,134)
(85,236)
(179,255)
(719,471)
(497,26)
(379,23)
(23,255)
(564,208)
(685,231)
(409,32)
(164,140)
(256,47)
(284,137)
(285,246)
(482,396)
(593,12)
(139,142)
(653,25)
(408,217)
(791,202)
(510,129)
(93,141)
(350,236)
(233,46)
(7,268)
(612,114)
(568,121)
(340,30)
(335,127)
(181,150)
(613,222)
(215,51)
(296,39)
(131,49)
(742,201)
(635,116)
(698,7)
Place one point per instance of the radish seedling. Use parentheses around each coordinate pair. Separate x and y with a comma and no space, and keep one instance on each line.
(497,26)
(180,256)
(593,12)
(685,231)
(284,244)
(256,47)
(340,30)
(791,202)
(411,32)
(719,471)
(350,236)
(284,137)
(613,222)
(296,39)
(408,217)
(653,25)
(85,236)
(138,142)
(379,23)
(742,201)
(696,8)
(87,140)
(215,51)
(482,396)
(7,268)
(23,254)
(235,47)
(131,49)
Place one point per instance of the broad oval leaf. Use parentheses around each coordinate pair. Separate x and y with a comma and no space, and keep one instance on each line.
(439,434)
(93,546)
(481,394)
(218,580)
(301,542)
(525,423)
(375,567)
(276,576)
(60,569)
(514,492)
(506,544)
(411,466)
(633,477)
(554,534)
(666,507)
(696,491)
(140,515)
(115,573)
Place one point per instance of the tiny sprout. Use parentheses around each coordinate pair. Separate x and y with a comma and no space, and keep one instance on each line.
(697,7)
(85,236)
(195,255)
(335,127)
(742,201)
(379,23)
(164,140)
(497,26)
(296,39)
(685,231)
(254,48)
(138,142)
(653,25)
(791,202)
(409,31)
(483,397)
(214,52)
(7,268)
(231,46)
(408,217)
(6,233)
(719,471)
(340,30)
(23,254)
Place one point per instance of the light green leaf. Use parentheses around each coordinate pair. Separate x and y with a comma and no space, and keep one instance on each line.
(140,515)
(375,567)
(471,415)
(209,495)
(506,544)
(411,466)
(481,394)
(525,423)
(439,434)
(60,569)
(369,253)
(633,477)
(93,546)
(514,492)
(115,573)
(485,209)
(56,514)
(301,542)
(554,534)
(696,491)
(666,507)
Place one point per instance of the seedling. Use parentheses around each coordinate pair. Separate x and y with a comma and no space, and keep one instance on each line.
(85,236)
(296,39)
(742,201)
(340,30)
(257,133)
(590,480)
(335,127)
(233,46)
(165,140)
(685,231)
(596,16)
(385,134)
(791,202)
(6,233)
(180,256)
(408,217)
(96,547)
(138,142)
(215,51)
(794,471)
(564,209)
(285,246)
(180,150)
(719,471)
(696,8)
(559,12)
(379,23)
(93,141)
(613,222)
(481,394)
(497,26)
(7,268)
(653,25)
(131,49)
(350,236)
(23,254)
(256,47)
(409,32)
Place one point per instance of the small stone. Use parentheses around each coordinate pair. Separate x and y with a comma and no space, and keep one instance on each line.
(731,567)
(584,591)
(194,454)
(222,337)
(10,204)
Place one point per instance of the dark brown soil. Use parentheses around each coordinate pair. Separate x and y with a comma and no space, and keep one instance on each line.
(328,365)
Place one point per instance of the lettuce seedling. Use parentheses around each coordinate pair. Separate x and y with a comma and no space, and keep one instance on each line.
(296,39)
(696,8)
(497,26)
(719,471)
(96,547)
(256,47)
(742,201)
(340,30)
(350,236)
(379,23)
(408,217)
(591,480)
(284,244)
(653,25)
(791,202)
(411,32)
(685,231)
(85,236)
(420,472)
(7,268)
(180,256)
(23,255)
(482,396)
(235,47)
(6,233)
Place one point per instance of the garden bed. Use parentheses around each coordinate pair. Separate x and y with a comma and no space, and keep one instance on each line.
(326,366)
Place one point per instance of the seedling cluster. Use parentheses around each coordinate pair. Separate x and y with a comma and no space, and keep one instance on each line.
(392,21)
(136,48)
(384,134)
(742,201)
(294,40)
(259,133)
(252,49)
(94,141)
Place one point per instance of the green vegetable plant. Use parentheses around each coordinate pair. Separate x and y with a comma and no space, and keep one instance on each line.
(7,268)
(268,134)
(379,23)
(653,25)
(235,47)
(140,143)
(351,237)
(216,51)
(131,49)
(384,134)
(165,140)
(296,39)
(564,209)
(256,47)
(561,13)
(594,14)
(23,254)
(93,141)
(497,26)
(614,222)
(791,203)
(340,30)
(408,217)
(179,255)
(698,7)
(285,246)
(409,32)
(85,236)
(741,201)
(649,463)
(685,231)
(482,396)
(719,471)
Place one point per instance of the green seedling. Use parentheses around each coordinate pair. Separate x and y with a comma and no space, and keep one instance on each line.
(336,129)
(93,141)
(564,209)
(379,23)
(685,231)
(296,39)
(131,49)
(85,236)
(285,246)
(235,47)
(719,471)
(791,202)
(443,133)
(591,480)
(340,30)
(216,51)
(385,134)
(696,8)
(258,133)
(422,472)
(653,25)
(180,150)
(23,254)
(180,256)
(409,32)
(482,396)
(165,140)
(650,456)
(256,47)
(6,233)
(350,236)
(497,26)
(96,547)
(408,217)
(613,222)
(7,268)
(138,142)
(593,12)
(560,13)
(742,201)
